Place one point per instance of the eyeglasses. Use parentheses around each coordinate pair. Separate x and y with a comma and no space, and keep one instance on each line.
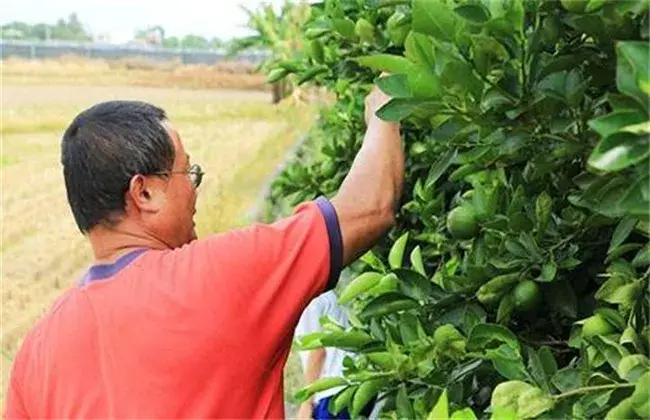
(195,174)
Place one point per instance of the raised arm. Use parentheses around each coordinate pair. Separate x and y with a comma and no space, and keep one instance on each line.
(368,197)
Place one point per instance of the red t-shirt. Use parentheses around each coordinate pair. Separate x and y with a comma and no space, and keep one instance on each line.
(202,331)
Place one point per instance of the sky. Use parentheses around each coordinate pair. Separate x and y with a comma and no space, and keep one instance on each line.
(121,18)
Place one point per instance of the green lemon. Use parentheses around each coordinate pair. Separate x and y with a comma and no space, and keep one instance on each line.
(596,325)
(527,295)
(461,223)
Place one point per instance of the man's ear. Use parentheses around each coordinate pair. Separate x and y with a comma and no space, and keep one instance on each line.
(146,193)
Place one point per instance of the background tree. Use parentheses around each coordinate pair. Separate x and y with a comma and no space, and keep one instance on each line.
(278,34)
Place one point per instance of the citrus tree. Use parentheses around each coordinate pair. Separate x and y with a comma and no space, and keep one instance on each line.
(515,283)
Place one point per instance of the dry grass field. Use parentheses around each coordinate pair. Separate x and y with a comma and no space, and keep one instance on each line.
(130,72)
(236,135)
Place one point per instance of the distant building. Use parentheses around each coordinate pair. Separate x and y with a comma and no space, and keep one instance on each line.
(104,38)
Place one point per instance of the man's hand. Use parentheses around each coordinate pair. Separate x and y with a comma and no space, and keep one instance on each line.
(374,101)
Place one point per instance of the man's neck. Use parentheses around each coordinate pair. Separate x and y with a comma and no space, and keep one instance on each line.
(110,243)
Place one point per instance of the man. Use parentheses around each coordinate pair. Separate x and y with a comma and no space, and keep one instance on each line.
(166,325)
(323,362)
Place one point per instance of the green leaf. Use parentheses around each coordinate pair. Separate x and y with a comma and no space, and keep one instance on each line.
(619,151)
(441,409)
(574,87)
(366,392)
(567,379)
(312,74)
(418,48)
(508,362)
(511,10)
(612,316)
(622,411)
(423,82)
(534,402)
(395,85)
(485,336)
(493,98)
(373,261)
(639,129)
(610,287)
(503,413)
(633,366)
(433,17)
(439,167)
(342,400)
(636,200)
(630,336)
(530,245)
(360,284)
(593,404)
(641,396)
(417,286)
(561,63)
(349,340)
(386,63)
(543,207)
(310,341)
(620,102)
(396,254)
(475,13)
(386,304)
(537,371)
(506,307)
(489,46)
(516,249)
(526,400)
(611,123)
(408,327)
(398,108)
(404,406)
(549,270)
(642,257)
(622,231)
(458,78)
(416,261)
(321,384)
(612,351)
(626,295)
(633,71)
(464,414)
(345,27)
(517,201)
(590,24)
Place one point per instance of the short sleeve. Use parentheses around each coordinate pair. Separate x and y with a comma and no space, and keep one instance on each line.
(262,277)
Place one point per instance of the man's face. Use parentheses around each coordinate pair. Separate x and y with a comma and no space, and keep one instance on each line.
(175,223)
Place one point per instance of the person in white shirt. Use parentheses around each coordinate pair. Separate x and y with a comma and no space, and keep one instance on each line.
(323,362)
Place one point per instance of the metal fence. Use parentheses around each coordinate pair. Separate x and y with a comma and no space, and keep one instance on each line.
(52,49)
